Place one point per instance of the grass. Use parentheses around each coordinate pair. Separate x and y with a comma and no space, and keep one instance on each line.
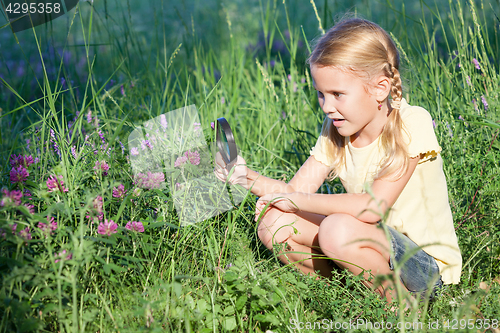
(128,62)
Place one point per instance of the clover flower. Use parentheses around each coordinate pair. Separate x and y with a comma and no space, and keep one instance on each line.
(194,157)
(12,198)
(25,161)
(134,151)
(56,185)
(30,207)
(101,166)
(119,192)
(18,174)
(135,226)
(25,233)
(180,161)
(107,228)
(151,180)
(48,227)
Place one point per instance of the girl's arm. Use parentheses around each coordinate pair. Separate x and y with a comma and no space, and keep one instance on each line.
(308,179)
(362,206)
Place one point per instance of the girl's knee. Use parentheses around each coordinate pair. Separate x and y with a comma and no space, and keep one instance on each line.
(334,232)
(273,227)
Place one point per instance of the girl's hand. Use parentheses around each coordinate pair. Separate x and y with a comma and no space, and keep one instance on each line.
(238,172)
(283,201)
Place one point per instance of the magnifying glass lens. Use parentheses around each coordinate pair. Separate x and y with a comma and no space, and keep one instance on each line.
(225,142)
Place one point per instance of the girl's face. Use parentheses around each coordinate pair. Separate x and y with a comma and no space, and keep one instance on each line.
(345,99)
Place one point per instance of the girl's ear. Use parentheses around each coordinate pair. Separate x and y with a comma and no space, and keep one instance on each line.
(381,87)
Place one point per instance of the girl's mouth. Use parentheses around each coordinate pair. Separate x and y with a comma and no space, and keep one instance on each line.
(338,122)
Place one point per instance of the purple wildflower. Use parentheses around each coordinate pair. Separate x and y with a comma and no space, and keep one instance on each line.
(146,144)
(468,81)
(12,198)
(30,207)
(134,151)
(101,135)
(151,180)
(18,174)
(73,152)
(194,157)
(449,130)
(54,143)
(122,146)
(107,228)
(163,121)
(212,125)
(122,90)
(485,103)
(25,161)
(56,185)
(476,63)
(197,126)
(25,233)
(180,161)
(119,192)
(101,166)
(135,226)
(460,117)
(433,123)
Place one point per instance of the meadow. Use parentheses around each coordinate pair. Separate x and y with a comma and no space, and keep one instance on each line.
(83,248)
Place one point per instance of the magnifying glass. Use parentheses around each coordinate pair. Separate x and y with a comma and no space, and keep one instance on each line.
(225,143)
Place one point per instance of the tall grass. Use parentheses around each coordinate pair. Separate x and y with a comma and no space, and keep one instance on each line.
(215,275)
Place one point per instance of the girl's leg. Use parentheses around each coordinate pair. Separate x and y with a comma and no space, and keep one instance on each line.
(357,246)
(298,233)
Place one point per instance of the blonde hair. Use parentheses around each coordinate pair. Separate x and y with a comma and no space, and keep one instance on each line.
(364,49)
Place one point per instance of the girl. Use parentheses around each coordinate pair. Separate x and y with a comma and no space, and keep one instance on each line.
(387,157)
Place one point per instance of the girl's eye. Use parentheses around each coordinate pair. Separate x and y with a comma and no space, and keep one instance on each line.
(336,94)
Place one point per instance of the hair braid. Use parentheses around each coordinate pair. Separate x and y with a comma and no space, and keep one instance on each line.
(396,89)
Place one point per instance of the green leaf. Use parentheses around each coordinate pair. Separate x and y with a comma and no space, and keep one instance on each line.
(230,276)
(229,323)
(241,301)
(109,267)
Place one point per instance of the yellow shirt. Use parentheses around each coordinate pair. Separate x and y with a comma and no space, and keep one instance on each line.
(422,211)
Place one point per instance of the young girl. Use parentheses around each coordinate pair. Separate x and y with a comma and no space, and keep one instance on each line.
(387,157)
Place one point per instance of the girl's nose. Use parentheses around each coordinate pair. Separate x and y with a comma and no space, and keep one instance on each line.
(328,106)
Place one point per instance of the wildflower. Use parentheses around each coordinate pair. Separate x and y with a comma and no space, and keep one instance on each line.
(212,125)
(12,198)
(289,77)
(433,123)
(73,152)
(151,180)
(146,144)
(194,157)
(122,90)
(31,208)
(476,63)
(61,255)
(101,166)
(25,233)
(122,146)
(197,126)
(54,143)
(25,161)
(56,185)
(135,226)
(180,161)
(119,192)
(18,174)
(137,192)
(163,121)
(107,228)
(98,204)
(101,135)
(27,193)
(468,81)
(134,151)
(48,227)
(485,103)
(460,117)
(222,100)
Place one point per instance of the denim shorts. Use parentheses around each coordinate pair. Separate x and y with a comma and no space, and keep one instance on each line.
(420,273)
